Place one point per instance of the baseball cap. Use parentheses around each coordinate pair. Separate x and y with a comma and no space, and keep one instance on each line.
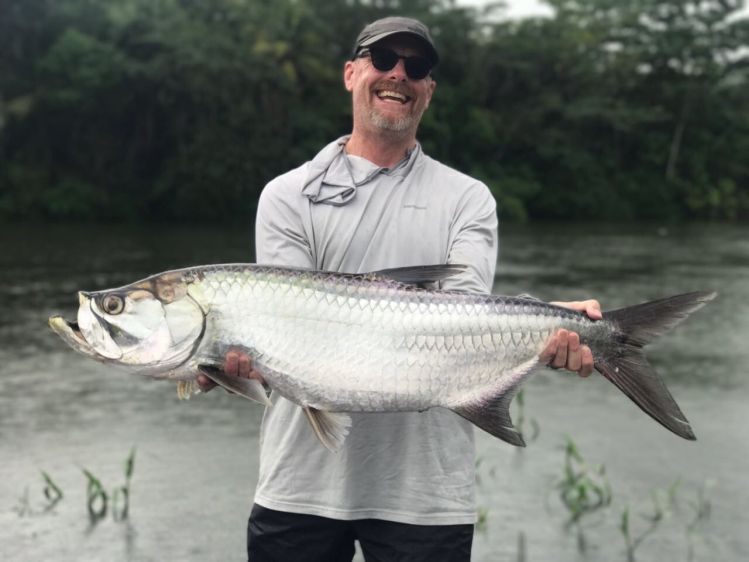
(385,27)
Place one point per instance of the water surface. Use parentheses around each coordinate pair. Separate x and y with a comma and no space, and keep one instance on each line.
(196,462)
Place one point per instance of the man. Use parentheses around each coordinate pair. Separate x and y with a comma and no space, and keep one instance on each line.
(403,484)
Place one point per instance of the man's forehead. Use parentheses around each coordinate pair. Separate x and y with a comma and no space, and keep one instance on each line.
(404,44)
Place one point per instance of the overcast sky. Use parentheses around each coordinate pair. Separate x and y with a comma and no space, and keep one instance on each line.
(515,8)
(524,8)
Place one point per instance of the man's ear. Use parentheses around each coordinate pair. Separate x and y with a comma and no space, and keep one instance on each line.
(432,86)
(348,75)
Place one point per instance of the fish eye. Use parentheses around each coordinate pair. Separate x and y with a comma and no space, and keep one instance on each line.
(113,304)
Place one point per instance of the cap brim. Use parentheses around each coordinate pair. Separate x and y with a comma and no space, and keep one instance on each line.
(431,51)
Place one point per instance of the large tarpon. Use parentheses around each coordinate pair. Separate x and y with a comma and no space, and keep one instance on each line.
(336,343)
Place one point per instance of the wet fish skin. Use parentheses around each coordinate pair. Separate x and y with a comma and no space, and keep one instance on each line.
(336,343)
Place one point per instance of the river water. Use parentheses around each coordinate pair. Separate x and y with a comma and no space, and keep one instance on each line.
(196,462)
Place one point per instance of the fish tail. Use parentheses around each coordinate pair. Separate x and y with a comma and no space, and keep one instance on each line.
(624,364)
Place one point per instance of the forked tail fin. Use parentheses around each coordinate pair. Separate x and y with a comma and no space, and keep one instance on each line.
(624,364)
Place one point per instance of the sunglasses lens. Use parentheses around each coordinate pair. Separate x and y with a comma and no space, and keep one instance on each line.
(417,67)
(385,59)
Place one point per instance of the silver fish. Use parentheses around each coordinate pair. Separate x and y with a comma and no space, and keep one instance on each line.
(379,342)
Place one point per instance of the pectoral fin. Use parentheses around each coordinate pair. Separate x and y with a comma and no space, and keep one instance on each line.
(185,389)
(249,388)
(331,428)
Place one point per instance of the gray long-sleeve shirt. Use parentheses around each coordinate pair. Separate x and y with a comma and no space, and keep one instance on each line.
(343,213)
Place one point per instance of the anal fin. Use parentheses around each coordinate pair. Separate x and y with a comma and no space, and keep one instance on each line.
(492,414)
(251,389)
(331,428)
(494,418)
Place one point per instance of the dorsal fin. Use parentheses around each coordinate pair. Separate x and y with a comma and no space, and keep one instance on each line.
(421,274)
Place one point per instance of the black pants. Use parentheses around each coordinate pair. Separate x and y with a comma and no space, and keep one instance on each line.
(278,536)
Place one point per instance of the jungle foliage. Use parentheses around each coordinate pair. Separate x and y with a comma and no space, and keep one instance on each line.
(184,109)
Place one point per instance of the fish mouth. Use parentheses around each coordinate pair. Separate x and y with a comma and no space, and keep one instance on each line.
(71,334)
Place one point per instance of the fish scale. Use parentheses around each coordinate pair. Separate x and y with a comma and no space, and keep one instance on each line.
(294,334)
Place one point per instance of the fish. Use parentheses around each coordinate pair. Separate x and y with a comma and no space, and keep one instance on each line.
(385,341)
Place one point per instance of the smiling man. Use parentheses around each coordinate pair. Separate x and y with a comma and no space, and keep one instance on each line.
(403,483)
(389,98)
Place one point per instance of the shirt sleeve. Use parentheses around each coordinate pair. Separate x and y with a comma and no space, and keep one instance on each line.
(280,237)
(474,241)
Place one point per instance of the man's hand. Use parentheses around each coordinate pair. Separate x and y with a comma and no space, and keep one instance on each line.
(236,363)
(564,349)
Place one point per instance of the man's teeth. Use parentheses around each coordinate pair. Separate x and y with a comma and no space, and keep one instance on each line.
(391,94)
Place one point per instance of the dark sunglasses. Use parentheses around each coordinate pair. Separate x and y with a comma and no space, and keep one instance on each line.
(383,60)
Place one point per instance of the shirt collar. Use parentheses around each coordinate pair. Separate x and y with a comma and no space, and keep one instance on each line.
(332,179)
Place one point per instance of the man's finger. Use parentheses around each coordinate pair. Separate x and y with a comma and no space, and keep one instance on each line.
(560,358)
(551,349)
(587,361)
(574,356)
(205,383)
(593,309)
(244,366)
(231,363)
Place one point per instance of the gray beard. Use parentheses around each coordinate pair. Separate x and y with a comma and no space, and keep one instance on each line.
(395,125)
